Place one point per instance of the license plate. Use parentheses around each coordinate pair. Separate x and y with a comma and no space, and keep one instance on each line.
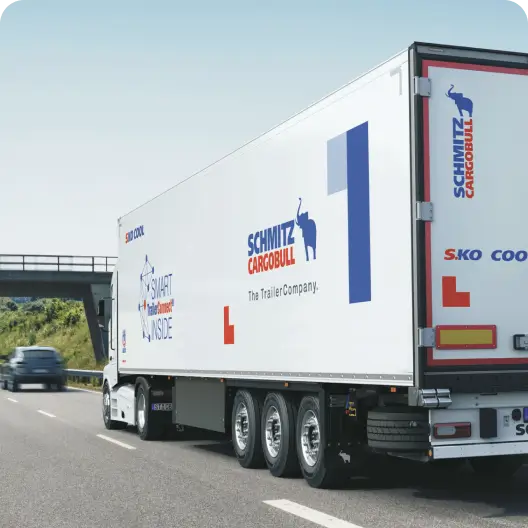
(40,371)
(162,406)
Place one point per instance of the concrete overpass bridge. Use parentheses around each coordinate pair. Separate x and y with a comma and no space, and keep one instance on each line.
(81,277)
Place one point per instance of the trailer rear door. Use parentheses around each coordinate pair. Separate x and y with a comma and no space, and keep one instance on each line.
(475,150)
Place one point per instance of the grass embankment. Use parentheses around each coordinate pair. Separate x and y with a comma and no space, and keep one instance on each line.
(48,322)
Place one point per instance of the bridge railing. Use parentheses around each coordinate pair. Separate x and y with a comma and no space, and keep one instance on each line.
(93,264)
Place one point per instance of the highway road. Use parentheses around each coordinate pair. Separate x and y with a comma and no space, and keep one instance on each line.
(61,468)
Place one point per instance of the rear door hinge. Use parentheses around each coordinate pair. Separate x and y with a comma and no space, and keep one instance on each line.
(422,86)
(424,211)
(426,337)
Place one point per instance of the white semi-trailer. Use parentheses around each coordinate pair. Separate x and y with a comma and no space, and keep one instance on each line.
(352,281)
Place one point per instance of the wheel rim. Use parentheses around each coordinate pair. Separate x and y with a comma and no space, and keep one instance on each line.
(310,438)
(273,432)
(241,426)
(141,411)
(106,406)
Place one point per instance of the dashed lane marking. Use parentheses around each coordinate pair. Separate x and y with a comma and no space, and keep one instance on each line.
(12,400)
(317,517)
(116,442)
(49,415)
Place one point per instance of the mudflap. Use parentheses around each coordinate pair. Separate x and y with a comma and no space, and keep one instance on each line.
(344,449)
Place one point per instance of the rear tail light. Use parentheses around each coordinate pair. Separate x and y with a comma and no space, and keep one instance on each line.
(452,430)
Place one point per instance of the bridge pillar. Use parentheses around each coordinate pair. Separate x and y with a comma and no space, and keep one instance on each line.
(100,292)
(96,325)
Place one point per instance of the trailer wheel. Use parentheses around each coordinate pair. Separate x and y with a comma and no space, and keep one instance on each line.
(397,429)
(310,447)
(497,466)
(278,435)
(148,427)
(246,429)
(107,411)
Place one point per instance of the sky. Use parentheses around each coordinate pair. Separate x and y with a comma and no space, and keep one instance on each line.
(106,103)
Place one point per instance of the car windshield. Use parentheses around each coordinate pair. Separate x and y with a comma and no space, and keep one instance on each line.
(39,354)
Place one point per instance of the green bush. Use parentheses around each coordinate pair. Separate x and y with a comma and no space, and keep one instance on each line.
(50,322)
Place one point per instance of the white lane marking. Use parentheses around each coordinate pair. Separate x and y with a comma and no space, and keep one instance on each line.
(12,400)
(117,442)
(49,415)
(317,517)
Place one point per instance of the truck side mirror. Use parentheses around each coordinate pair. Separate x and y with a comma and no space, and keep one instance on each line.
(101,308)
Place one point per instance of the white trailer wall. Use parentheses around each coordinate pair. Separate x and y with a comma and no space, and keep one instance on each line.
(348,158)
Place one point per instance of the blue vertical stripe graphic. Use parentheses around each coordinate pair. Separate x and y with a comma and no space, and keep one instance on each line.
(348,170)
(359,279)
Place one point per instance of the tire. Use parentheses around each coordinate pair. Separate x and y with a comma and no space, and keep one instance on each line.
(246,430)
(14,385)
(497,466)
(148,427)
(279,418)
(107,412)
(4,385)
(397,429)
(312,461)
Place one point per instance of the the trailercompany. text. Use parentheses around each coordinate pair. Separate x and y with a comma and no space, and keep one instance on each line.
(286,290)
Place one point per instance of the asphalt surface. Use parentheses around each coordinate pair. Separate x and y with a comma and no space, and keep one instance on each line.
(56,472)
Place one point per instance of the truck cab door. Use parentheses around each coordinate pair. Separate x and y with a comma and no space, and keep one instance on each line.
(111,369)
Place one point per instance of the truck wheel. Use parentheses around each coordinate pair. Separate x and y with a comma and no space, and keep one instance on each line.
(107,411)
(278,435)
(497,466)
(246,429)
(310,448)
(397,429)
(14,385)
(148,427)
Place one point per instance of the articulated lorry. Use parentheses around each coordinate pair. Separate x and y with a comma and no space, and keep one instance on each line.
(349,283)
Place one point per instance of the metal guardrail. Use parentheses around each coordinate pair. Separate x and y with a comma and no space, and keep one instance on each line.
(93,264)
(85,376)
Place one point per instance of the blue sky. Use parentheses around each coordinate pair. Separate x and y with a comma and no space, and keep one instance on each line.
(105,104)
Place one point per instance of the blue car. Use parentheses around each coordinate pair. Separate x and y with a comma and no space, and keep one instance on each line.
(32,365)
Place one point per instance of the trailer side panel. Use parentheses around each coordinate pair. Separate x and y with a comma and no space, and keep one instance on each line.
(290,258)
